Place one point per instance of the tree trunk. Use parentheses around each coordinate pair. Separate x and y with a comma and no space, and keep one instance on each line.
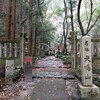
(79,20)
(65,27)
(8,19)
(30,28)
(1,5)
(64,37)
(36,28)
(34,43)
(74,44)
(13,20)
(10,26)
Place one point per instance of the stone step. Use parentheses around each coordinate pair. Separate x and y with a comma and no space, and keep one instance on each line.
(50,74)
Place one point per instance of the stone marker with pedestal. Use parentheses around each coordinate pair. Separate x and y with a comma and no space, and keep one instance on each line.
(9,71)
(87,85)
(10,53)
(28,69)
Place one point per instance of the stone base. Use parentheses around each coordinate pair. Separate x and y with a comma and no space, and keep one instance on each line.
(85,91)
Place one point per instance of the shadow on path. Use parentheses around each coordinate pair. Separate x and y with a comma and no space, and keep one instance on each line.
(50,89)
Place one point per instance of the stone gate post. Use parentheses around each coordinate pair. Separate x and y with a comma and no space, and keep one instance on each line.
(87,85)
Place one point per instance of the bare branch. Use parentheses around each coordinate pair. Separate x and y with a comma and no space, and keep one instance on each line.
(91,14)
(65,19)
(28,15)
(93,24)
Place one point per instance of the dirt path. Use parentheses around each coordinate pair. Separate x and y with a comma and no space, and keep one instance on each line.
(50,89)
(51,81)
(54,74)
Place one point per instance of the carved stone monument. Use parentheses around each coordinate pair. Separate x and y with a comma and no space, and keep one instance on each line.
(87,85)
(9,71)
(10,53)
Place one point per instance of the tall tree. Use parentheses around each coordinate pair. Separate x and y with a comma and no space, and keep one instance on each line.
(30,30)
(74,36)
(37,4)
(65,26)
(10,19)
(90,23)
(2,18)
(13,20)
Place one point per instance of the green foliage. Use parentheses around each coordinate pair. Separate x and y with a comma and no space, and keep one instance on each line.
(96,81)
(46,33)
(59,11)
(96,71)
(2,61)
(77,72)
(66,58)
(24,7)
(17,73)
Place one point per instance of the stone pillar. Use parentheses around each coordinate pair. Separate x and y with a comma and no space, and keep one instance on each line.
(18,50)
(10,50)
(86,61)
(5,50)
(86,68)
(9,70)
(15,49)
